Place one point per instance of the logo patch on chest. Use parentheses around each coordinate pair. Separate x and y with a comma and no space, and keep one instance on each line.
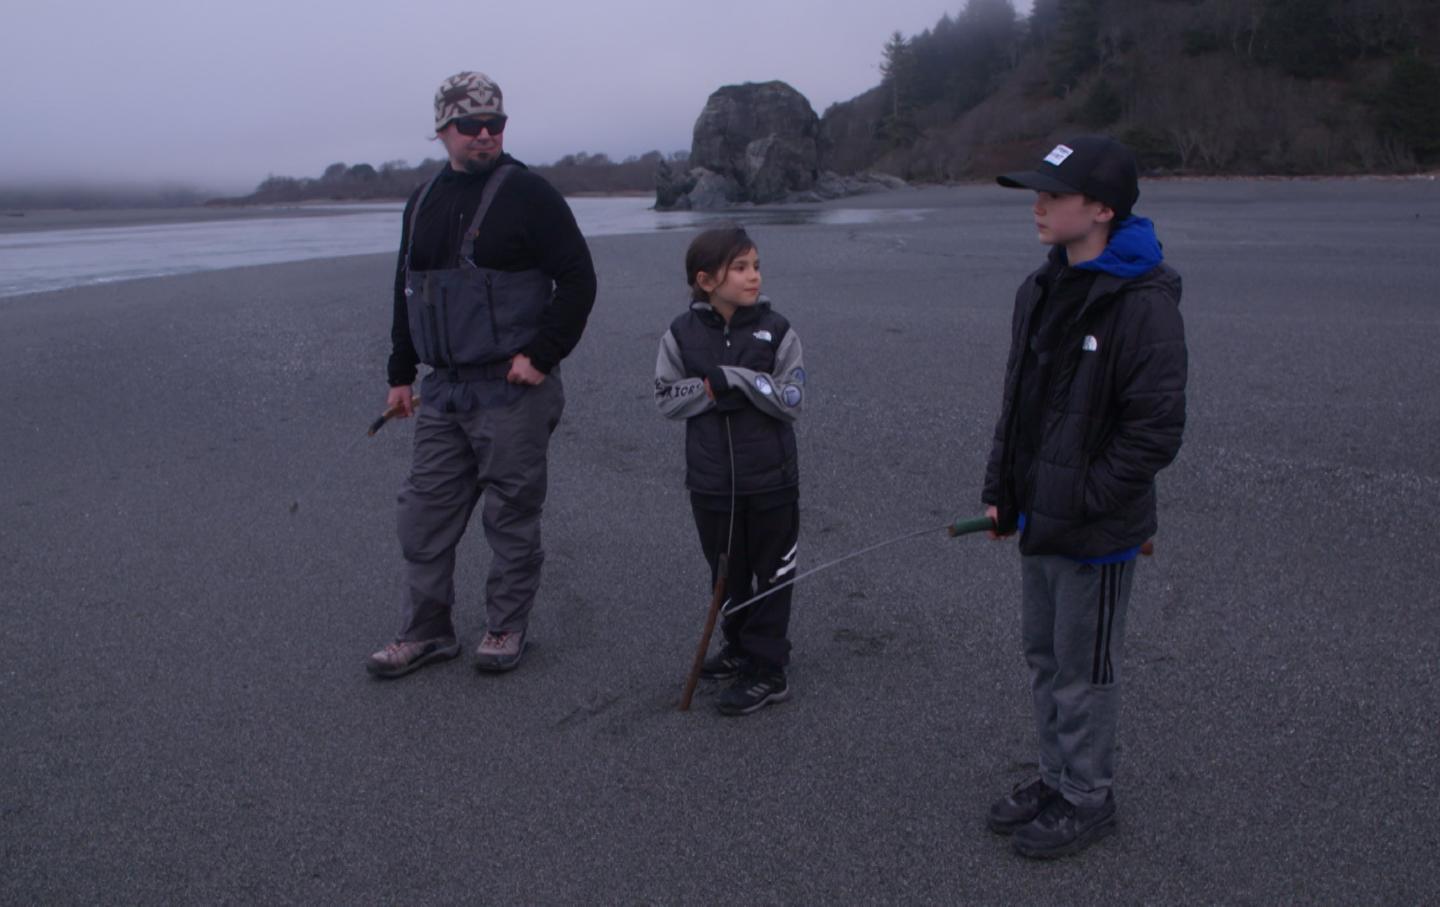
(763,335)
(1090,344)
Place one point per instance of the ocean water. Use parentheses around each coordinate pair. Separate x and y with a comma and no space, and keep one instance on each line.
(33,262)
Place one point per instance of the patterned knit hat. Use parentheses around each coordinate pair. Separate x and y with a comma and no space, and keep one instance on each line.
(467,94)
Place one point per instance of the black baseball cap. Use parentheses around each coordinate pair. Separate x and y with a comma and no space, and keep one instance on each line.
(1093,165)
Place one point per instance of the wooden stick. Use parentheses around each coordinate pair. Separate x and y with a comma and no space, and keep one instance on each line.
(389,414)
(716,601)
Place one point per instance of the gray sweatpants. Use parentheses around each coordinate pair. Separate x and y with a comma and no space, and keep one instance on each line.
(495,452)
(1073,628)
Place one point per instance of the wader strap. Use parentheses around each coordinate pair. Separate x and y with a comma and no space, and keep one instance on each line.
(415,216)
(492,186)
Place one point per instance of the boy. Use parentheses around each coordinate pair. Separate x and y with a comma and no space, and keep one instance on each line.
(1093,408)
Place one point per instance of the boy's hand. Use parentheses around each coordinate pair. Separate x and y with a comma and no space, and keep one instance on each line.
(993,513)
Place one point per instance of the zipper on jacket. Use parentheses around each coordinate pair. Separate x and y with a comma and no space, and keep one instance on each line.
(428,320)
(490,307)
(444,321)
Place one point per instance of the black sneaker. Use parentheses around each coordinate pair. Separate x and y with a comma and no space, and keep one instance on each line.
(1021,806)
(724,666)
(753,692)
(1064,828)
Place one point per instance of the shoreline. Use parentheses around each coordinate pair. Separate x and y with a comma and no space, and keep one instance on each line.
(1199,203)
(30,220)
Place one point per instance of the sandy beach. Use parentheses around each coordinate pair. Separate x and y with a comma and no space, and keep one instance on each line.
(187,718)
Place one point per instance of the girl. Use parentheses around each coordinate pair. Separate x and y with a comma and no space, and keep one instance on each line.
(730,367)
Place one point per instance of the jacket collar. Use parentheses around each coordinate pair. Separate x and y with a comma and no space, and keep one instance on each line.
(743,315)
(1102,290)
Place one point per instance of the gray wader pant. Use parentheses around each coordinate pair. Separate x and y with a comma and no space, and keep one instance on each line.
(1073,628)
(495,452)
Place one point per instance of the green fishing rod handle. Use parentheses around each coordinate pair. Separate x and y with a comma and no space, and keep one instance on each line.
(975,524)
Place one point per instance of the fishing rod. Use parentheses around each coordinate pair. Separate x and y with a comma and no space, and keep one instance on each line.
(953,530)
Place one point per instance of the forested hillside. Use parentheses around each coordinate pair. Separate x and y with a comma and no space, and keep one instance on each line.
(1197,86)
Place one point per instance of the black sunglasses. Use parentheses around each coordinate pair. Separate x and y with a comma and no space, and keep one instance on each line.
(473,126)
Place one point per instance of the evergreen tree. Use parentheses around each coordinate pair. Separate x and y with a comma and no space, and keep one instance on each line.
(1102,106)
(1074,49)
(1407,110)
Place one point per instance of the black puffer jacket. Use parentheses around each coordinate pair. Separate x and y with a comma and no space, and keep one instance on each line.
(1113,417)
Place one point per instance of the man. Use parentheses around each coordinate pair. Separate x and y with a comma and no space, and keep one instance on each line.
(493,287)
(1093,408)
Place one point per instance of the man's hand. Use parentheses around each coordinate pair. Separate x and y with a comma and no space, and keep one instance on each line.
(398,402)
(993,513)
(709,391)
(522,372)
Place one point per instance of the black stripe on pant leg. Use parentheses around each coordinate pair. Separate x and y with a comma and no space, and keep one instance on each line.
(1095,664)
(1108,676)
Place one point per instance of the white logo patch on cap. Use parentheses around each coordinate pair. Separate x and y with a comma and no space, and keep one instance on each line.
(1059,154)
(763,385)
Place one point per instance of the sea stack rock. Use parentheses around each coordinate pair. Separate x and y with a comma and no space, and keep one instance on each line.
(756,142)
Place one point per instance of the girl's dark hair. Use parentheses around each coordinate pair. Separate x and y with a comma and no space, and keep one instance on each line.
(711,252)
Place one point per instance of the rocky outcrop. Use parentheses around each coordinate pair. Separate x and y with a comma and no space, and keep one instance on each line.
(833,185)
(755,143)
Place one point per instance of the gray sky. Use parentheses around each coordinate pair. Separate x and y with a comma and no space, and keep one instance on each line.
(220,94)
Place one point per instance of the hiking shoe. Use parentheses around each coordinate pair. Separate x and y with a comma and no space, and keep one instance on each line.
(403,656)
(500,651)
(1064,828)
(1020,806)
(753,692)
(724,666)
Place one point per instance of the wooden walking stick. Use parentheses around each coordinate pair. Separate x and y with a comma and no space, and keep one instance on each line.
(389,414)
(722,570)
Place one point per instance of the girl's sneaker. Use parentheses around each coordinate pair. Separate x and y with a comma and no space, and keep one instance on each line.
(753,692)
(724,665)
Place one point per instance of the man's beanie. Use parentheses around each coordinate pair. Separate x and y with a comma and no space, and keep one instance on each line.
(467,94)
(1095,165)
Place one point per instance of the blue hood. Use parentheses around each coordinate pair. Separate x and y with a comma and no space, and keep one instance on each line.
(1132,251)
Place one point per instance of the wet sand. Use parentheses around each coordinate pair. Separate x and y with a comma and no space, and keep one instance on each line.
(81,219)
(187,719)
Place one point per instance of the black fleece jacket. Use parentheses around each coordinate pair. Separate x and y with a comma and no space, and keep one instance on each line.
(529,226)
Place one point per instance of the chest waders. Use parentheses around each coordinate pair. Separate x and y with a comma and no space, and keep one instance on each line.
(468,322)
